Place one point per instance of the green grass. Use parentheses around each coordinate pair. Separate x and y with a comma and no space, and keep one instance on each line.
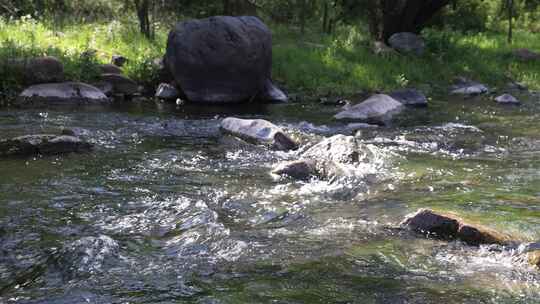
(311,64)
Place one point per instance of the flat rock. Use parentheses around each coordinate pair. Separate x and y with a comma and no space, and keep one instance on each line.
(258,131)
(407,43)
(44,144)
(467,87)
(507,99)
(378,109)
(66,93)
(167,92)
(121,84)
(449,227)
(410,97)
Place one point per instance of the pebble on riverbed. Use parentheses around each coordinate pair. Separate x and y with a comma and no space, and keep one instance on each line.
(449,227)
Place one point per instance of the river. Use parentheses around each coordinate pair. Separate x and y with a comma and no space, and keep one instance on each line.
(165,210)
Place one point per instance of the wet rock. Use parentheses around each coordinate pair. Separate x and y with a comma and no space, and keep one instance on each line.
(110,69)
(44,144)
(298,169)
(464,86)
(408,43)
(507,99)
(121,84)
(448,227)
(258,131)
(410,97)
(325,160)
(66,93)
(222,60)
(271,93)
(119,60)
(88,256)
(167,92)
(378,109)
(526,55)
(105,87)
(44,70)
(514,85)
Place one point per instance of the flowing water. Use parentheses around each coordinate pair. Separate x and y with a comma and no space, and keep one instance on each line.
(166,210)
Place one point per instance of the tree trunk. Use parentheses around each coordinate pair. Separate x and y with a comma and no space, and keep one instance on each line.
(510,4)
(143,8)
(325,17)
(303,13)
(227,7)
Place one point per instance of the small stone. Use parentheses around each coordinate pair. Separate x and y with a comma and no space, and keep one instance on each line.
(167,92)
(507,99)
(119,60)
(258,131)
(299,169)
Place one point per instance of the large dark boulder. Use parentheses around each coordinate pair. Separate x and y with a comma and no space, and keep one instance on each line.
(222,60)
(44,144)
(44,70)
(408,43)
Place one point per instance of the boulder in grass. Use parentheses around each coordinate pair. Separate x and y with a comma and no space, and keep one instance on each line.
(42,144)
(167,92)
(222,59)
(410,97)
(121,84)
(110,69)
(378,109)
(44,70)
(526,55)
(407,43)
(119,60)
(448,227)
(66,93)
(258,131)
(507,99)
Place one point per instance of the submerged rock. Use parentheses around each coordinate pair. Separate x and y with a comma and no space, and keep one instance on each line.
(407,43)
(378,109)
(258,131)
(410,97)
(44,144)
(222,60)
(448,227)
(167,92)
(66,93)
(88,256)
(507,99)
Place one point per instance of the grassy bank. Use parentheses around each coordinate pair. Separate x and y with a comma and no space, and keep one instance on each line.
(312,64)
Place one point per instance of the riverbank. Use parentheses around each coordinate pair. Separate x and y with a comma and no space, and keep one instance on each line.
(311,65)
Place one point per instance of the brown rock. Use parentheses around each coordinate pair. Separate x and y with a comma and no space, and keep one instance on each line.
(526,55)
(449,227)
(44,70)
(110,69)
(534,258)
(121,84)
